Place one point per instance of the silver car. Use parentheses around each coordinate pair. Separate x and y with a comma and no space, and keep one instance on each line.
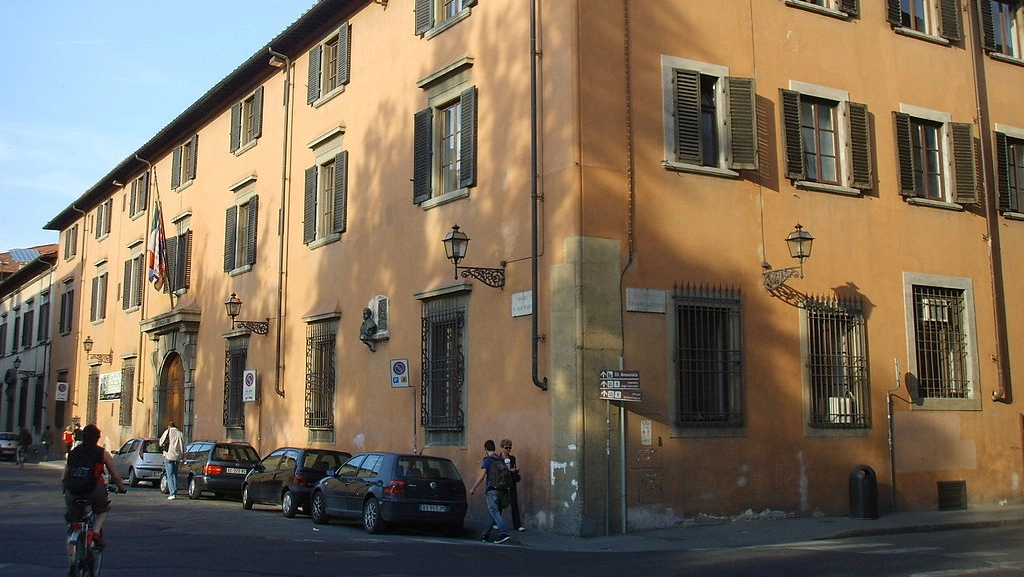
(139,460)
(8,445)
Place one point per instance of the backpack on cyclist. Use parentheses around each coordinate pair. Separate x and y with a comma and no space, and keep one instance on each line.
(500,475)
(85,467)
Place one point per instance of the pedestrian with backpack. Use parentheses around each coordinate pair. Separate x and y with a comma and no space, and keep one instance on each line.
(498,478)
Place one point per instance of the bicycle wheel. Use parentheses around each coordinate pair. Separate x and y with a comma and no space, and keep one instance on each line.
(72,547)
(81,567)
(95,561)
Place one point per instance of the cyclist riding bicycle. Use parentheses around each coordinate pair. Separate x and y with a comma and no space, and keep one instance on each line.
(83,478)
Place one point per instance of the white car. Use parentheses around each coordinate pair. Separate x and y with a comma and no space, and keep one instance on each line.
(139,460)
(8,445)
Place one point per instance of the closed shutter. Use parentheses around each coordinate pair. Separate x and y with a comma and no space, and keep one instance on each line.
(422,155)
(313,88)
(193,157)
(309,206)
(236,126)
(340,191)
(988,27)
(792,138)
(894,13)
(950,18)
(467,138)
(185,255)
(257,113)
(424,16)
(860,147)
(144,193)
(686,92)
(126,289)
(230,231)
(344,54)
(250,241)
(964,165)
(172,264)
(176,167)
(93,302)
(904,153)
(468,3)
(742,99)
(139,269)
(851,7)
(1003,173)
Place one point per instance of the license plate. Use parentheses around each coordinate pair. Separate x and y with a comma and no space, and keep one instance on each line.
(235,471)
(434,508)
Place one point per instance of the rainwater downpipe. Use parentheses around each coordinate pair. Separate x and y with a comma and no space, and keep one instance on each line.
(74,401)
(535,198)
(282,224)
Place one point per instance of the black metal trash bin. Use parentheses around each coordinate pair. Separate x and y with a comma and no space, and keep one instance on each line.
(863,493)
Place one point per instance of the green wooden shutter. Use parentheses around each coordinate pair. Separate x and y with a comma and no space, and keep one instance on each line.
(230,231)
(792,138)
(424,16)
(860,147)
(176,167)
(422,155)
(468,3)
(313,86)
(257,113)
(950,18)
(185,253)
(851,7)
(250,240)
(194,158)
(236,126)
(309,206)
(686,93)
(467,138)
(904,153)
(344,54)
(126,290)
(964,165)
(172,264)
(894,13)
(144,193)
(742,99)
(341,191)
(1006,200)
(988,26)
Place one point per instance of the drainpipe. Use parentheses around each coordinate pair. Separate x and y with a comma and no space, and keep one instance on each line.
(74,400)
(282,223)
(535,198)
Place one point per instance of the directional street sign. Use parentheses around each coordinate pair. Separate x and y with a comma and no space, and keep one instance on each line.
(627,395)
(621,386)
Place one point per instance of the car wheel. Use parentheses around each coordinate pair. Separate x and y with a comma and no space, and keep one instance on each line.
(163,485)
(133,481)
(193,489)
(371,516)
(246,498)
(319,509)
(288,505)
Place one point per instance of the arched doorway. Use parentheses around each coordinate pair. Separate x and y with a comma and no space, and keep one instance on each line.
(172,391)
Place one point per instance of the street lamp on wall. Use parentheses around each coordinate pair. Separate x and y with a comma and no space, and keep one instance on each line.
(87,344)
(234,307)
(456,243)
(799,242)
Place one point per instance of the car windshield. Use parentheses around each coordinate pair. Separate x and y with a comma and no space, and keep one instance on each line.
(235,453)
(324,461)
(428,468)
(8,436)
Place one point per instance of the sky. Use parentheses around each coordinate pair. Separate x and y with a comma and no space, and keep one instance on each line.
(86,83)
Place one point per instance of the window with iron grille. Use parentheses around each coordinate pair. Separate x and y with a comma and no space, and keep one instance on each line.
(320,374)
(444,366)
(708,357)
(837,364)
(940,343)
(234,366)
(127,392)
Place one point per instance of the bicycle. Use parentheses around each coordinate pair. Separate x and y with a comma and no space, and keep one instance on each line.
(85,559)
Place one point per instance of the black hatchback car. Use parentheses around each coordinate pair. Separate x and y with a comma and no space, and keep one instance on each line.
(217,467)
(381,489)
(287,476)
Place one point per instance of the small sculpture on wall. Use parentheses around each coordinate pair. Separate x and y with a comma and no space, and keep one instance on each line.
(368,330)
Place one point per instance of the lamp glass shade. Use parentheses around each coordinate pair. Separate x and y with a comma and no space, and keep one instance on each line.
(456,243)
(799,242)
(87,344)
(233,306)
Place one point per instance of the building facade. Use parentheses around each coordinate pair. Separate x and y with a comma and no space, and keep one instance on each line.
(628,173)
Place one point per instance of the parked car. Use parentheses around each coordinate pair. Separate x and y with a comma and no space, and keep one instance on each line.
(217,467)
(8,445)
(139,460)
(381,489)
(286,477)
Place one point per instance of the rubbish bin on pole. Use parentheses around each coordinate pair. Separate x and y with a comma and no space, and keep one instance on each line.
(863,493)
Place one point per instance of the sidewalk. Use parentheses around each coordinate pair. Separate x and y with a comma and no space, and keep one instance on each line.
(755,530)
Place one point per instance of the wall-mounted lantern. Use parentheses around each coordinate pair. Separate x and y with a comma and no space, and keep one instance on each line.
(456,243)
(234,307)
(799,242)
(87,344)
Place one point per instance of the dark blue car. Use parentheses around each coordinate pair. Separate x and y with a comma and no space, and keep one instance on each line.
(286,477)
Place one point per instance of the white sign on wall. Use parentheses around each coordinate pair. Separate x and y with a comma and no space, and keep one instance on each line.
(522,303)
(249,386)
(110,386)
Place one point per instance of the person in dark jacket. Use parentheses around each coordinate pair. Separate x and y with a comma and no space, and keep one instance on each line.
(83,478)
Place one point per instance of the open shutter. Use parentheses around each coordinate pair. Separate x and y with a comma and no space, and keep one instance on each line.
(468,3)
(860,146)
(467,138)
(230,231)
(742,99)
(126,289)
(193,157)
(250,241)
(950,18)
(904,153)
(140,274)
(176,167)
(894,13)
(313,86)
(422,157)
(344,54)
(793,141)
(172,263)
(144,193)
(185,255)
(257,113)
(309,206)
(340,191)
(686,91)
(850,7)
(988,27)
(1003,173)
(424,16)
(92,303)
(236,126)
(964,165)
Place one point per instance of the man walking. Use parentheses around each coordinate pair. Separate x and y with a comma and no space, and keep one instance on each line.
(488,472)
(173,444)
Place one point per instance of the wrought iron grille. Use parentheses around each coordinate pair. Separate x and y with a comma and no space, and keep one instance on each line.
(443,365)
(320,374)
(234,366)
(709,356)
(941,343)
(837,364)
(127,392)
